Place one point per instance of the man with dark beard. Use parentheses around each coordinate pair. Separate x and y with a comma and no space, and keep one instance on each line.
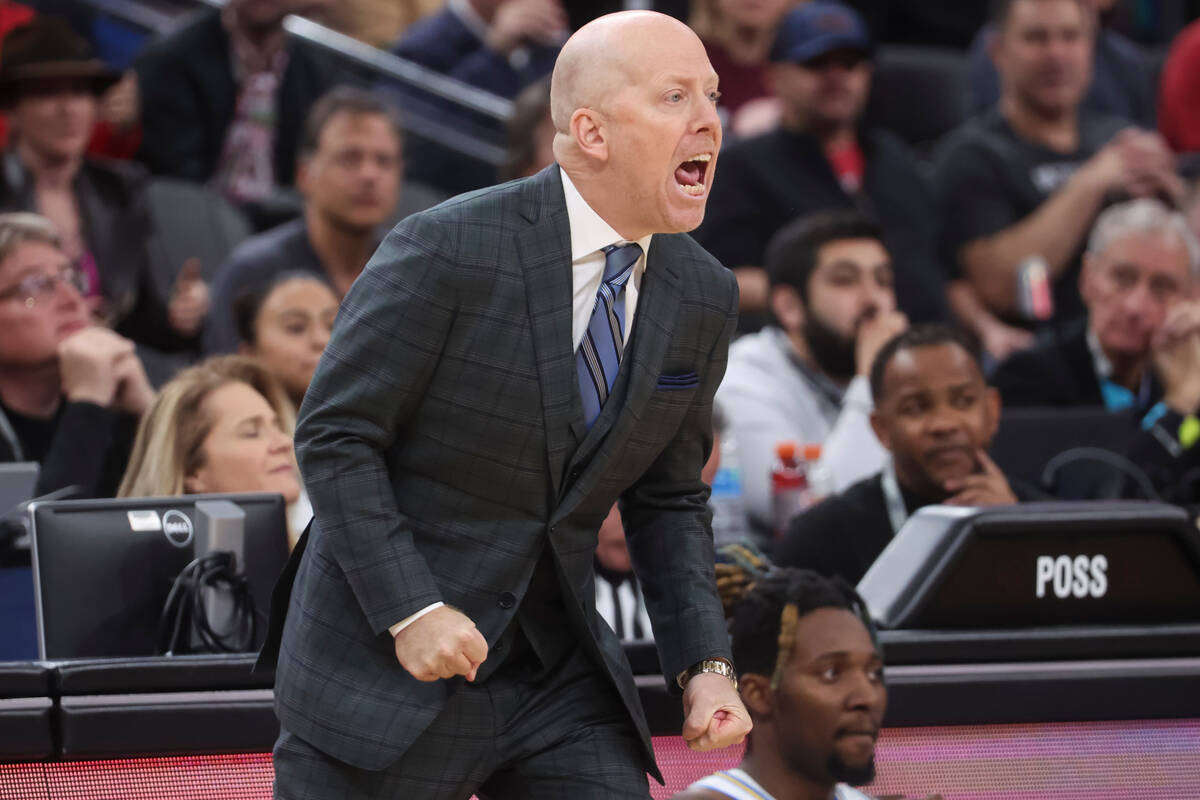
(936,415)
(811,676)
(804,379)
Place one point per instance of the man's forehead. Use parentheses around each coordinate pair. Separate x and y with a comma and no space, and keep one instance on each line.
(828,631)
(942,365)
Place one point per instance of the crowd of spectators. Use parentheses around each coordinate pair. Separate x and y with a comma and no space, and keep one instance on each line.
(1044,252)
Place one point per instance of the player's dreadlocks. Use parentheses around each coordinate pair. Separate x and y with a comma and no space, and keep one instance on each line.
(766,602)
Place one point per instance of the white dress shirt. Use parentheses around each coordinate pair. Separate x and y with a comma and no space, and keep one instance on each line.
(590,234)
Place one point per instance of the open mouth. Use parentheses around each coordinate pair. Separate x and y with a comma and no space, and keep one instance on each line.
(690,174)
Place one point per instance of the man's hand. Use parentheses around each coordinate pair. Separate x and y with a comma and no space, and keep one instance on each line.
(1138,163)
(1176,354)
(1000,340)
(189,302)
(134,392)
(714,716)
(87,365)
(520,21)
(986,488)
(121,106)
(441,644)
(873,334)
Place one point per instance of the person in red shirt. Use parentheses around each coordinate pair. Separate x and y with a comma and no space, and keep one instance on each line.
(738,35)
(1179,92)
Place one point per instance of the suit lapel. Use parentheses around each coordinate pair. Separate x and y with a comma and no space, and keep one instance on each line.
(544,247)
(654,321)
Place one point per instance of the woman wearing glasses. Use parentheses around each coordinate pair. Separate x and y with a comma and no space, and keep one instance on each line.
(71,392)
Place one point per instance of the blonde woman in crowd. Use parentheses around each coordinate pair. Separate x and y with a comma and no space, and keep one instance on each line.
(224,425)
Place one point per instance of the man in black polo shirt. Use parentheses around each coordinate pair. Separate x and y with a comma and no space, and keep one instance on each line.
(820,159)
(1019,187)
(936,415)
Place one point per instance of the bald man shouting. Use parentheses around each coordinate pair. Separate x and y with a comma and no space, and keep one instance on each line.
(509,365)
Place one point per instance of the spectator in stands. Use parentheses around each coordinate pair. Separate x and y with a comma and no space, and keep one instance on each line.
(1121,84)
(821,159)
(49,82)
(350,174)
(738,35)
(1020,186)
(285,324)
(806,380)
(811,675)
(936,415)
(1179,92)
(619,598)
(1139,353)
(222,426)
(500,46)
(530,134)
(224,98)
(1139,271)
(70,392)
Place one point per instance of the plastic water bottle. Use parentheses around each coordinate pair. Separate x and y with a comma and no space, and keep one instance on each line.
(730,523)
(820,479)
(789,486)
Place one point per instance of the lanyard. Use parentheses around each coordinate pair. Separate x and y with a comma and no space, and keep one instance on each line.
(897,512)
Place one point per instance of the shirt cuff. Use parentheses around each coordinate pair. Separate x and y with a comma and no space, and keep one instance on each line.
(404,623)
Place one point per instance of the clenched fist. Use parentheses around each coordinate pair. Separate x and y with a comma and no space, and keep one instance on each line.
(441,644)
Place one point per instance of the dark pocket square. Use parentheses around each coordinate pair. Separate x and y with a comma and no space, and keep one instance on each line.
(685,380)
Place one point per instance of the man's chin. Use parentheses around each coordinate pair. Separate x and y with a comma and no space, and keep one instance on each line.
(858,774)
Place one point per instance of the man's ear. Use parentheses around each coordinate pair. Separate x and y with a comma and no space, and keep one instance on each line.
(994,406)
(881,431)
(1087,273)
(993,47)
(301,179)
(756,694)
(787,307)
(587,129)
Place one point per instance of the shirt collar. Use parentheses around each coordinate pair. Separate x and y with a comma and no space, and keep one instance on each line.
(1100,362)
(589,231)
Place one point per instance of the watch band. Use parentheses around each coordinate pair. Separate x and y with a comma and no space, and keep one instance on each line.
(721,666)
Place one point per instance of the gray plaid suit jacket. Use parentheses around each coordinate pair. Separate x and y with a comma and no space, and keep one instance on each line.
(442,444)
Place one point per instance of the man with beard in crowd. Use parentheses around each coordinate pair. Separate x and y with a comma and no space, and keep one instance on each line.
(805,379)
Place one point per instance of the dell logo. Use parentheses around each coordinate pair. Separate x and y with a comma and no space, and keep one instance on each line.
(1077,577)
(177,528)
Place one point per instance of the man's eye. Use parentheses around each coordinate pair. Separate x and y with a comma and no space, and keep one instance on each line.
(674,97)
(829,674)
(714,96)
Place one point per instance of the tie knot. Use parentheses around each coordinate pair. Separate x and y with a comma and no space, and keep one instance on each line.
(619,261)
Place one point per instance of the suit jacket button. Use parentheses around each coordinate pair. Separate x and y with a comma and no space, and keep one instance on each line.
(507,600)
(575,473)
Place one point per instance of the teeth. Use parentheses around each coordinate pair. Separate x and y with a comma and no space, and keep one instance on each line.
(693,190)
(702,157)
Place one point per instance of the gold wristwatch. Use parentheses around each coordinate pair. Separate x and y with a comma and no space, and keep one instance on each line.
(720,666)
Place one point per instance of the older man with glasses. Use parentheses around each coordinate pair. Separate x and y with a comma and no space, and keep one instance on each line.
(71,392)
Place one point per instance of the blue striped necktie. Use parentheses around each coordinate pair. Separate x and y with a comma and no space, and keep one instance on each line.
(599,355)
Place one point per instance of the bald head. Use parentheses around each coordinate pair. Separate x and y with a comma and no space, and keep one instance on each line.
(633,99)
(603,56)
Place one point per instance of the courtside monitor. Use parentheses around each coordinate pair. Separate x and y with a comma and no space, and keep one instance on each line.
(1036,565)
(103,568)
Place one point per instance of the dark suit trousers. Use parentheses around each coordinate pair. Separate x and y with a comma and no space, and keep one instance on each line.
(565,736)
